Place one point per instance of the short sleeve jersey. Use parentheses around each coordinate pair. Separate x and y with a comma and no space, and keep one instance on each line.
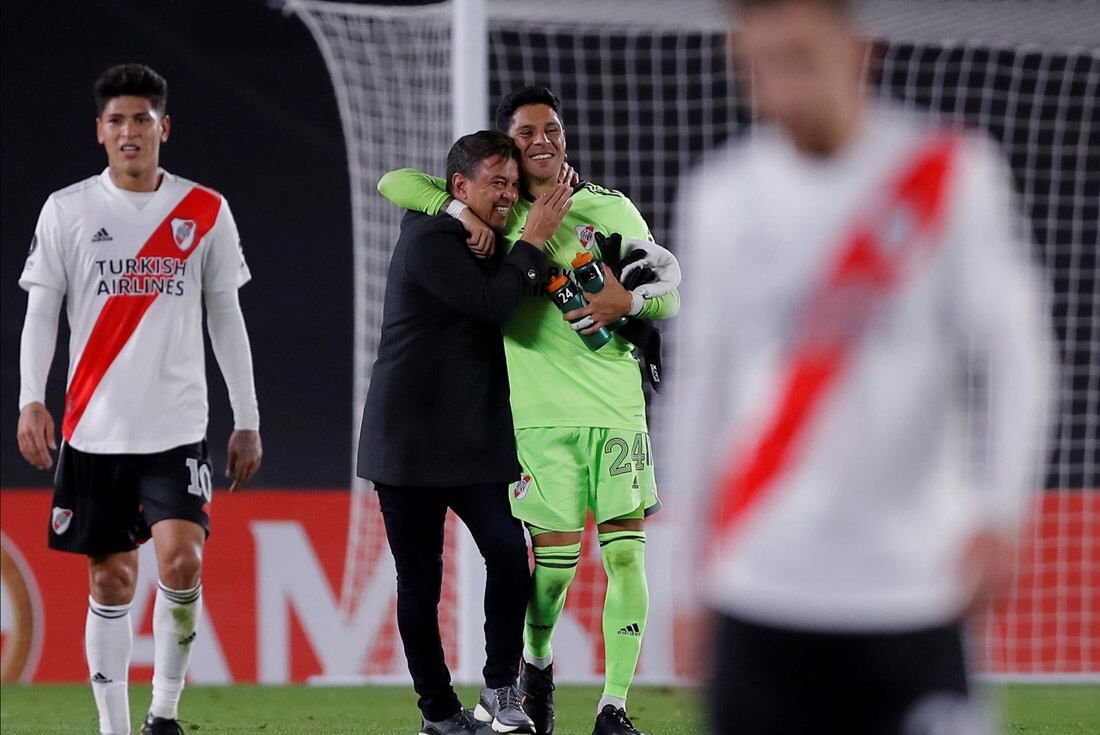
(133,278)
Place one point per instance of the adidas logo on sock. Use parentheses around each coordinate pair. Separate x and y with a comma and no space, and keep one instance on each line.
(188,640)
(100,679)
(631,629)
(102,235)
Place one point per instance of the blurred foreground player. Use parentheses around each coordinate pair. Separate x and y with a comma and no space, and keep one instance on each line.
(130,251)
(437,427)
(884,326)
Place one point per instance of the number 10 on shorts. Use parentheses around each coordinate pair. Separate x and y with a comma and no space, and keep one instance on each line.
(201,483)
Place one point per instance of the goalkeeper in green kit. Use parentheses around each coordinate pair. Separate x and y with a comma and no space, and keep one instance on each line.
(579,413)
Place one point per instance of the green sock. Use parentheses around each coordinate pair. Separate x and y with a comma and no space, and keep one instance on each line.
(555,567)
(624,609)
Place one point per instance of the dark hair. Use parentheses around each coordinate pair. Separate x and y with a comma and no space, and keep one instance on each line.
(506,110)
(469,151)
(131,80)
(841,7)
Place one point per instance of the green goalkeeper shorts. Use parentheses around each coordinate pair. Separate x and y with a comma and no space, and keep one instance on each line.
(569,470)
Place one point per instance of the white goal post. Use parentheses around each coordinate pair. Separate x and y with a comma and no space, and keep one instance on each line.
(647,91)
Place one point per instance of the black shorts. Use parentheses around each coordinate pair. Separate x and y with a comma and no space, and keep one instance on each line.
(776,681)
(107,503)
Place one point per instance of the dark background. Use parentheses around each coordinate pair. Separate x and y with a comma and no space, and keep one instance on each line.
(254,117)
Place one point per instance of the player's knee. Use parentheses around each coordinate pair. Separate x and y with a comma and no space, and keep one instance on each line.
(624,557)
(181,571)
(557,585)
(416,599)
(420,581)
(507,554)
(112,582)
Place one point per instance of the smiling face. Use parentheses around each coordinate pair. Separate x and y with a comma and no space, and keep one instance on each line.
(131,130)
(491,191)
(538,133)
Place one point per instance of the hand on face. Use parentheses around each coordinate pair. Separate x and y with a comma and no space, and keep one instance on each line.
(546,215)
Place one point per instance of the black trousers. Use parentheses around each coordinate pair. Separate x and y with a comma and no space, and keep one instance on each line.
(414,518)
(777,681)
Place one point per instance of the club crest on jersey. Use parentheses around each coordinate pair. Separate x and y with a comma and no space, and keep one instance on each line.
(183,232)
(60,520)
(520,491)
(587,235)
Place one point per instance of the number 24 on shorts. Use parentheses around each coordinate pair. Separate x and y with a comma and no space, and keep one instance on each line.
(638,454)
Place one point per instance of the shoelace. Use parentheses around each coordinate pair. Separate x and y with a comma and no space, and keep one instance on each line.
(620,715)
(466,720)
(507,697)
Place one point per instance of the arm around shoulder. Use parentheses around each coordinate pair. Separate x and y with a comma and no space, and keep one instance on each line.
(414,190)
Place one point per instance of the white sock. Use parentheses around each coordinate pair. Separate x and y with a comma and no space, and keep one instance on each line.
(539,662)
(108,640)
(607,699)
(175,618)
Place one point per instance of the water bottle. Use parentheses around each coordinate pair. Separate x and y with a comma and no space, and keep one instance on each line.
(589,275)
(567,297)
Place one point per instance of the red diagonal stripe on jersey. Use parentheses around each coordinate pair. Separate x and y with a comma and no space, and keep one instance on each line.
(121,314)
(865,273)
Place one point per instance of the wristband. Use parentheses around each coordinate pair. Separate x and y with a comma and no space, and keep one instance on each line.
(637,301)
(455,208)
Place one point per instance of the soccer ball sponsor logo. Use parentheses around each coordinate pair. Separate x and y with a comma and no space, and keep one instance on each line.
(520,490)
(586,234)
(61,519)
(183,232)
(22,624)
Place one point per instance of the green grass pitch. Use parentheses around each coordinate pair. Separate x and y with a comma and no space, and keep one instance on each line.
(60,710)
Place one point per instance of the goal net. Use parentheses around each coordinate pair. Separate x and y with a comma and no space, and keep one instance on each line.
(646,92)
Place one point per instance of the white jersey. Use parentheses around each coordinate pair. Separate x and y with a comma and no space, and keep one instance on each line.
(825,419)
(133,273)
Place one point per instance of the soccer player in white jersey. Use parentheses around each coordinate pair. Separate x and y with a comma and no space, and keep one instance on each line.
(873,285)
(134,252)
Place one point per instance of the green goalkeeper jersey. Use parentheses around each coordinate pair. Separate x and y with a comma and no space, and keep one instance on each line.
(555,380)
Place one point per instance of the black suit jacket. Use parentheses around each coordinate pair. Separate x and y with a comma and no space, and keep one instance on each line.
(437,412)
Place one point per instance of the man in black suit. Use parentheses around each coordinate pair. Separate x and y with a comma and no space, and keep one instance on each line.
(437,428)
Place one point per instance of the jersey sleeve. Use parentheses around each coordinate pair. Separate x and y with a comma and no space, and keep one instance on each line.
(662,307)
(629,222)
(703,361)
(450,273)
(1003,334)
(414,190)
(223,266)
(45,264)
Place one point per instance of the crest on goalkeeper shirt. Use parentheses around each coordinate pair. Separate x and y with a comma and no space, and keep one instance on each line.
(586,234)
